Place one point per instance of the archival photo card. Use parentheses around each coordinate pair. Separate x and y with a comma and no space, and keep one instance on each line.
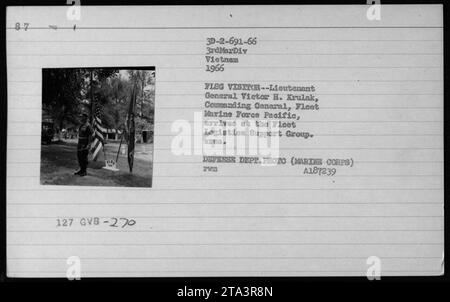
(280,141)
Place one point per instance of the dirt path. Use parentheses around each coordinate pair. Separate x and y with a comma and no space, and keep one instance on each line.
(59,161)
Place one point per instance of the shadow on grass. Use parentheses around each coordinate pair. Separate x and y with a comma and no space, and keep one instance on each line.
(59,161)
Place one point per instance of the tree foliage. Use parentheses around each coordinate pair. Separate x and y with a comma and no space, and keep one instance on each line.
(69,91)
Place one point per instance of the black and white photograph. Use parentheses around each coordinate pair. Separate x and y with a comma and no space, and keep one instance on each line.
(97,126)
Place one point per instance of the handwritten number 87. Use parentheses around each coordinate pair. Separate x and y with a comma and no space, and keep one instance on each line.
(19,27)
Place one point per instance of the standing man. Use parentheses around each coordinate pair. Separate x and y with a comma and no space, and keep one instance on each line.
(84,144)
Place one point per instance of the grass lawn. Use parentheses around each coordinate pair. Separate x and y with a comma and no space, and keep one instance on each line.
(59,162)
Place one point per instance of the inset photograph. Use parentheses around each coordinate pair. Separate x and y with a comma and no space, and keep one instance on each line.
(97,126)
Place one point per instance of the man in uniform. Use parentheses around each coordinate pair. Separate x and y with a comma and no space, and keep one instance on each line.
(84,144)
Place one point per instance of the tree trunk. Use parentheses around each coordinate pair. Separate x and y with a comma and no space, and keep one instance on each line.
(142,95)
(91,95)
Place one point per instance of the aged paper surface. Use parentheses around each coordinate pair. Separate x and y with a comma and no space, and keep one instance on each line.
(231,141)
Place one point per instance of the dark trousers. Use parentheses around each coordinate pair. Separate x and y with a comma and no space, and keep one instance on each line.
(82,159)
